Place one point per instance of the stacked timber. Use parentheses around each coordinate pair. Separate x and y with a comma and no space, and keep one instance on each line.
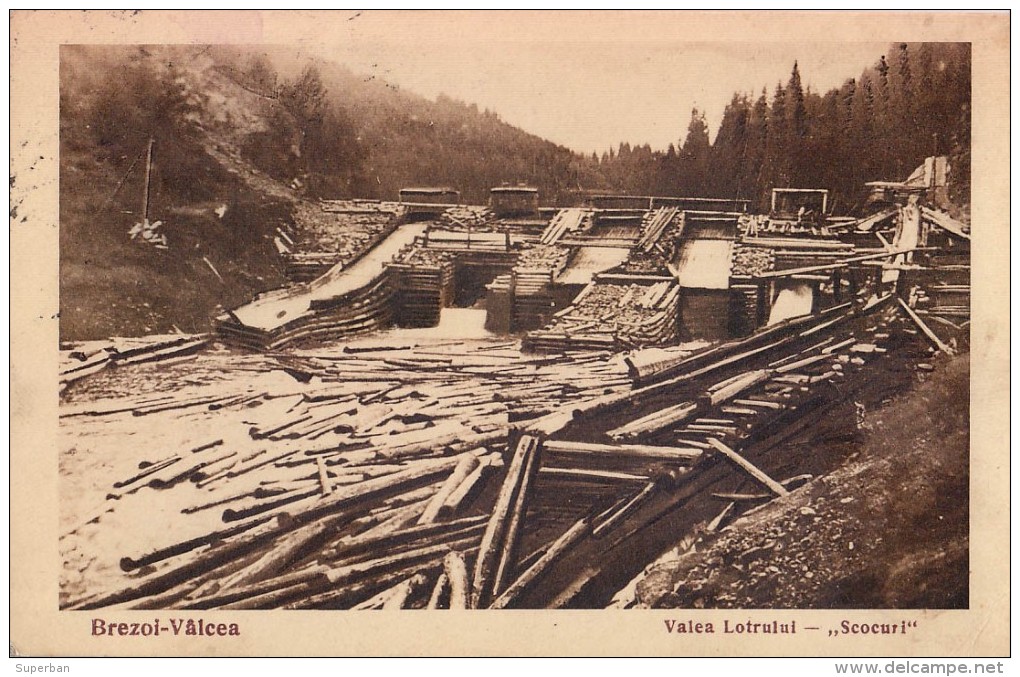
(654,225)
(643,263)
(749,261)
(614,315)
(360,206)
(337,231)
(565,221)
(467,240)
(499,304)
(800,252)
(949,299)
(463,218)
(418,254)
(523,229)
(532,300)
(522,299)
(365,309)
(543,257)
(745,301)
(307,266)
(421,292)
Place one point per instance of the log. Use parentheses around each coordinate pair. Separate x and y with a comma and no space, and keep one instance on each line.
(466,489)
(307,576)
(376,488)
(269,600)
(131,563)
(655,421)
(772,485)
(361,570)
(790,483)
(159,483)
(350,595)
(932,336)
(351,547)
(289,549)
(839,346)
(626,509)
(468,463)
(404,591)
(515,528)
(483,580)
(456,572)
(726,390)
(151,470)
(439,591)
(643,452)
(596,475)
(842,263)
(401,518)
(562,544)
(718,519)
(324,482)
(765,404)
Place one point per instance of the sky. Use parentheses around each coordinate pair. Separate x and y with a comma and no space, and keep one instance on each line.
(587,85)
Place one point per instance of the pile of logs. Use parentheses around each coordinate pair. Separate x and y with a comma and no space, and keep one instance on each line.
(422,291)
(611,315)
(361,310)
(78,360)
(654,225)
(799,252)
(642,263)
(463,218)
(368,470)
(307,266)
(566,220)
(543,257)
(417,254)
(751,261)
(343,230)
(388,475)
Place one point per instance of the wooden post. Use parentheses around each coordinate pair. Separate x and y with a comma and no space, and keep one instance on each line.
(148,174)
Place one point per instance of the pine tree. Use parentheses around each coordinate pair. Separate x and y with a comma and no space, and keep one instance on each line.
(729,148)
(694,156)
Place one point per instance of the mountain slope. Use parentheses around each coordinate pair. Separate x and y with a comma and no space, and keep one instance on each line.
(233,157)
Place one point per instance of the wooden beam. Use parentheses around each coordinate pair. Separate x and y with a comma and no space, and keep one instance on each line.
(926,329)
(630,451)
(752,470)
(838,264)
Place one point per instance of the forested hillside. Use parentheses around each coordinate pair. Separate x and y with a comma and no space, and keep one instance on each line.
(912,103)
(241,136)
(360,136)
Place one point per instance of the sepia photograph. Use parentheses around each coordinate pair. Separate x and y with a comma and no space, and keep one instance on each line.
(398,315)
